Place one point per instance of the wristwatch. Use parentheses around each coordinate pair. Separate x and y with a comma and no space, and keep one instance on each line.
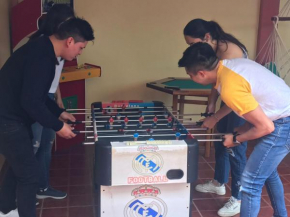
(235,139)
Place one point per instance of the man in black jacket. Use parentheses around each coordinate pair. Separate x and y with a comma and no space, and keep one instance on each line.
(25,81)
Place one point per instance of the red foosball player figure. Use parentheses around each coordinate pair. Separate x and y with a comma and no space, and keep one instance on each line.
(111,121)
(141,119)
(155,119)
(126,120)
(123,107)
(169,119)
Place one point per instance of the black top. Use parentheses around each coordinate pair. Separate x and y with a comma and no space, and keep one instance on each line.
(25,80)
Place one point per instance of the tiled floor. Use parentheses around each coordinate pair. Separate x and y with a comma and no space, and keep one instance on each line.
(71,171)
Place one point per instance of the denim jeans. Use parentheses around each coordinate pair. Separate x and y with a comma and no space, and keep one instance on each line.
(21,180)
(42,141)
(234,160)
(261,169)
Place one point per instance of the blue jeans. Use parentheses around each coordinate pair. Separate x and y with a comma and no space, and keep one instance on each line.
(261,169)
(235,160)
(43,139)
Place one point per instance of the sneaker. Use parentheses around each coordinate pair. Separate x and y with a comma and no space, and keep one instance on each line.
(231,208)
(50,193)
(209,187)
(12,213)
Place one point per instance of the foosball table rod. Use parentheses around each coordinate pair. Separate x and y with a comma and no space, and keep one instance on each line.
(121,108)
(116,125)
(199,140)
(180,134)
(191,129)
(141,112)
(135,120)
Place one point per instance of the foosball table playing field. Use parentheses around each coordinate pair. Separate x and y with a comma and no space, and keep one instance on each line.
(145,158)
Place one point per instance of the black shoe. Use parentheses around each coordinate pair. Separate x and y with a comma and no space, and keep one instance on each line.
(50,193)
(36,203)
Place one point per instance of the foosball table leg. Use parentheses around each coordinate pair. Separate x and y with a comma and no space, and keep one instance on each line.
(175,103)
(208,143)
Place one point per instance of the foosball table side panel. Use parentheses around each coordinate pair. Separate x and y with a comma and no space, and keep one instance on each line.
(167,200)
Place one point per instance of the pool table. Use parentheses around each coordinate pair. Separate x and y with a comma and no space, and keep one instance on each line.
(179,88)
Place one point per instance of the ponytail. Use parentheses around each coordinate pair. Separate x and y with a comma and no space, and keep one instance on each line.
(218,34)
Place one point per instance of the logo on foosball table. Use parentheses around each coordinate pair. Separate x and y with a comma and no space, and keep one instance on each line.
(146,203)
(148,162)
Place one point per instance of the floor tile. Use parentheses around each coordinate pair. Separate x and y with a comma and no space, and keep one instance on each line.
(59,181)
(207,204)
(195,214)
(266,212)
(55,212)
(81,180)
(205,174)
(204,166)
(87,211)
(81,200)
(79,172)
(81,189)
(52,203)
(59,172)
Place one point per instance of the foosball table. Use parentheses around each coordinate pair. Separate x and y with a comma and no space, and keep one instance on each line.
(145,159)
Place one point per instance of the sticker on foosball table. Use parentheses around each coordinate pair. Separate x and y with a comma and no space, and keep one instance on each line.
(146,203)
(149,142)
(148,161)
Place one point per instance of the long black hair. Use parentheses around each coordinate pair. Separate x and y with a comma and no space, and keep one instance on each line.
(58,14)
(197,28)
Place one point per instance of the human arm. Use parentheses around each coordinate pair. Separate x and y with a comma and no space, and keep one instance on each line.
(66,131)
(212,100)
(242,129)
(37,79)
(211,121)
(261,125)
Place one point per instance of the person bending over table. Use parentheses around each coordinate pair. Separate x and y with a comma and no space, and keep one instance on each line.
(25,81)
(225,46)
(262,99)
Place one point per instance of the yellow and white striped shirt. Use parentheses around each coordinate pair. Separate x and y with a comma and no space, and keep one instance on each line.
(244,84)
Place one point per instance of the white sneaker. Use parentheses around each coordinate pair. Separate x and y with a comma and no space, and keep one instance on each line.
(12,213)
(231,208)
(209,187)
